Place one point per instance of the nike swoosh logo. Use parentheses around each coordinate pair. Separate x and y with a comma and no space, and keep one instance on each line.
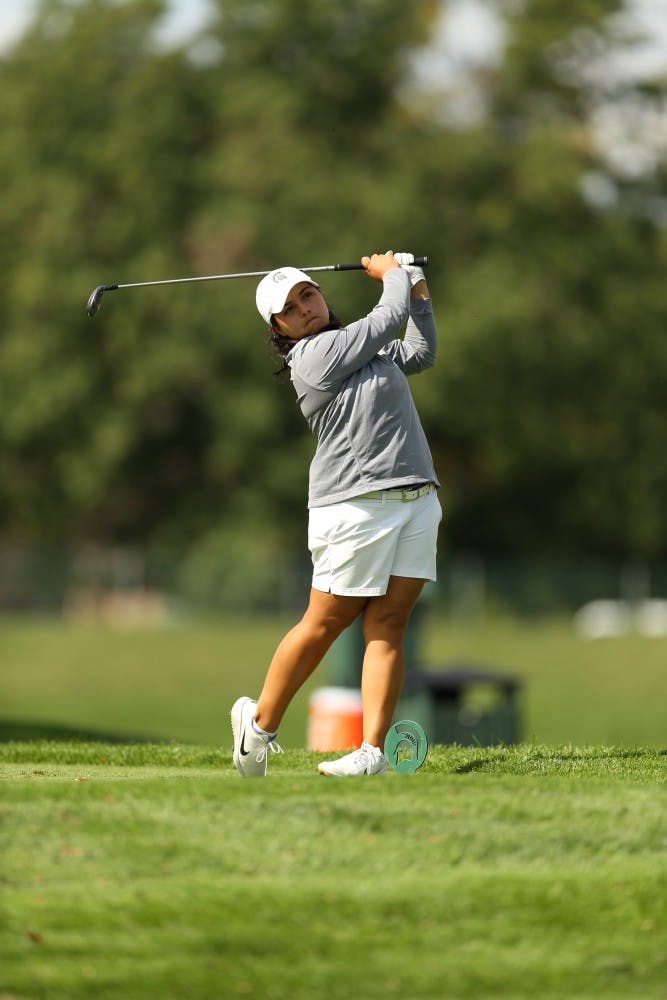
(244,752)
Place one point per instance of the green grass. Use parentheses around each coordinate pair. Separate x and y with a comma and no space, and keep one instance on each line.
(606,691)
(150,870)
(136,871)
(179,683)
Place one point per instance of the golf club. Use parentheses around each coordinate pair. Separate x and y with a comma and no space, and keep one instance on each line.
(96,295)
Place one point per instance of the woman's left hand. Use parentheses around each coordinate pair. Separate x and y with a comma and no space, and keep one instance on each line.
(407,262)
(418,286)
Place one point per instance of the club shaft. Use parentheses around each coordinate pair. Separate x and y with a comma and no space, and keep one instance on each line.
(419,261)
(95,297)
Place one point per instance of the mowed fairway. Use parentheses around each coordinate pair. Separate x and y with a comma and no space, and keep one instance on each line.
(151,870)
(133,871)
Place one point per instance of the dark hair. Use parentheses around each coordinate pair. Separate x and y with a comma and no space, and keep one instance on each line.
(281,346)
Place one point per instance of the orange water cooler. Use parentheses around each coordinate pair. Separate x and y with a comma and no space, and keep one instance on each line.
(335,719)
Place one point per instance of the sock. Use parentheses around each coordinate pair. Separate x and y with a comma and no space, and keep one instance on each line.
(263,732)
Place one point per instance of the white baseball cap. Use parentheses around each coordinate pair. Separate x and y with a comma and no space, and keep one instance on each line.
(273,289)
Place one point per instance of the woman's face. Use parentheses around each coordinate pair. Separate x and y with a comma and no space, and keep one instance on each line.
(305,312)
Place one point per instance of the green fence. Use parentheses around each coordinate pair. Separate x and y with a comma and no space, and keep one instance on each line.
(226,579)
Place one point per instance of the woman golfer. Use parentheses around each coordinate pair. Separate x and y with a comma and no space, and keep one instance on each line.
(373,506)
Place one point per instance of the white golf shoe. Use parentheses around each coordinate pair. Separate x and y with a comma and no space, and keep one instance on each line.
(251,749)
(367,760)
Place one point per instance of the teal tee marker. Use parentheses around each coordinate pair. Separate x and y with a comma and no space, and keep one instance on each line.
(406,746)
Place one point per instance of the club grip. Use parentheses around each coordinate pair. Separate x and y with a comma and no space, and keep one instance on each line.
(417,262)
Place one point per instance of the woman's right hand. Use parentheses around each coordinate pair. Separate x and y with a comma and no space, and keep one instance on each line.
(377,265)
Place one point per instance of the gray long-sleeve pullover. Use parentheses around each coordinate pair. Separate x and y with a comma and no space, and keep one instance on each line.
(352,389)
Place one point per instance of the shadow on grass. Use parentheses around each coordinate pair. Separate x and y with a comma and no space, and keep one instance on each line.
(13,730)
(551,755)
(472,765)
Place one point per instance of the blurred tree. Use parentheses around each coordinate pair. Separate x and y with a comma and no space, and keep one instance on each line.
(283,134)
(128,162)
(96,175)
(546,412)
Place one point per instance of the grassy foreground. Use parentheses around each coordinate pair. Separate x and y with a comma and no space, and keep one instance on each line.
(135,871)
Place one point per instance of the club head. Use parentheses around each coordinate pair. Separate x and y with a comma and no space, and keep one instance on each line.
(94,300)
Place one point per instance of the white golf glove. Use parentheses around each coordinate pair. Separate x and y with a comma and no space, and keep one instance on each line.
(406,262)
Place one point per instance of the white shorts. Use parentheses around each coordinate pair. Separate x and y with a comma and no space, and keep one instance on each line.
(358,544)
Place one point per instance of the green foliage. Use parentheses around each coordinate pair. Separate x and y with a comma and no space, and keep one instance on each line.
(553,318)
(283,135)
(89,137)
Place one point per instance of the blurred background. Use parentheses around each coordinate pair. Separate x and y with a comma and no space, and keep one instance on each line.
(153,471)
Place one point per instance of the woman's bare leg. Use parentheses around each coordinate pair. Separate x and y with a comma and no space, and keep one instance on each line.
(301,650)
(384,621)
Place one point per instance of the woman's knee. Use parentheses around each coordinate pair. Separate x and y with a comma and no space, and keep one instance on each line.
(331,626)
(389,614)
(385,620)
(330,618)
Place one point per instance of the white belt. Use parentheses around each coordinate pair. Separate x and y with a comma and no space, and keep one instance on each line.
(404,495)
